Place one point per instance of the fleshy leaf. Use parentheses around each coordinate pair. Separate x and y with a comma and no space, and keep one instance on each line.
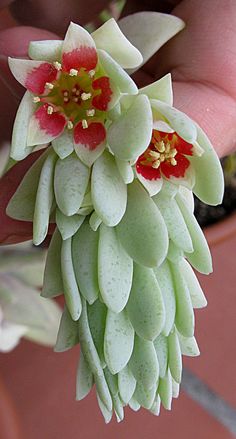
(70,183)
(201,256)
(115,270)
(118,340)
(134,405)
(122,80)
(196,293)
(175,254)
(174,356)
(44,200)
(71,292)
(144,396)
(188,346)
(148,31)
(155,409)
(109,193)
(209,184)
(52,282)
(126,384)
(68,225)
(130,134)
(184,319)
(21,205)
(85,257)
(145,306)
(107,415)
(165,390)
(165,281)
(97,313)
(91,356)
(179,121)
(63,145)
(161,347)
(68,333)
(110,38)
(94,221)
(113,387)
(19,147)
(84,379)
(177,229)
(125,170)
(160,90)
(175,389)
(45,50)
(143,363)
(142,230)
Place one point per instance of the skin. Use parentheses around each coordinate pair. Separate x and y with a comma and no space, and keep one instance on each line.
(201,59)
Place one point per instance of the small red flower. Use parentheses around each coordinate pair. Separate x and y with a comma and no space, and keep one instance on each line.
(164,156)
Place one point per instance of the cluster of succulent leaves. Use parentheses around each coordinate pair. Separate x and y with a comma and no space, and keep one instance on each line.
(121,256)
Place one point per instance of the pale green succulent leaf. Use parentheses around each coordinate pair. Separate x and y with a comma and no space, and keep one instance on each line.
(129,136)
(160,90)
(118,341)
(149,31)
(153,187)
(165,281)
(209,184)
(19,147)
(45,50)
(85,260)
(113,387)
(134,405)
(70,183)
(201,256)
(174,356)
(108,191)
(145,306)
(142,230)
(94,221)
(97,313)
(143,363)
(84,379)
(115,270)
(161,347)
(144,396)
(119,76)
(68,225)
(110,38)
(175,254)
(175,389)
(107,414)
(68,333)
(125,170)
(71,291)
(44,200)
(177,229)
(52,282)
(188,197)
(188,346)
(197,296)
(21,205)
(63,145)
(184,318)
(179,121)
(27,266)
(155,409)
(165,390)
(126,384)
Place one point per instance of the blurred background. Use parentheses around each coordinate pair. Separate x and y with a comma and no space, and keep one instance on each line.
(37,386)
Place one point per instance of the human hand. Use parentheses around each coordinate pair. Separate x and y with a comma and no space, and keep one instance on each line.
(194,57)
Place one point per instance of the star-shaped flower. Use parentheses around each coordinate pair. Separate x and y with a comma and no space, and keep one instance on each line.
(71,86)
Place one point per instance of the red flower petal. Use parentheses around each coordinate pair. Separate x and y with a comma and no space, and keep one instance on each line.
(52,124)
(181,145)
(147,171)
(178,170)
(92,136)
(84,57)
(37,78)
(101,101)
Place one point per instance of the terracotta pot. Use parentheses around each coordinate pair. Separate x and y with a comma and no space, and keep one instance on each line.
(9,422)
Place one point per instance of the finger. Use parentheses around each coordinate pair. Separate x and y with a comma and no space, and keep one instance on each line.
(56,16)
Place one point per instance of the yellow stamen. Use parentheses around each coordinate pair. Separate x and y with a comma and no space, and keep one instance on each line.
(57,65)
(90,112)
(91,73)
(65,93)
(162,158)
(76,100)
(50,110)
(154,154)
(36,99)
(160,146)
(73,72)
(85,96)
(49,85)
(84,123)
(156,164)
(173,161)
(70,125)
